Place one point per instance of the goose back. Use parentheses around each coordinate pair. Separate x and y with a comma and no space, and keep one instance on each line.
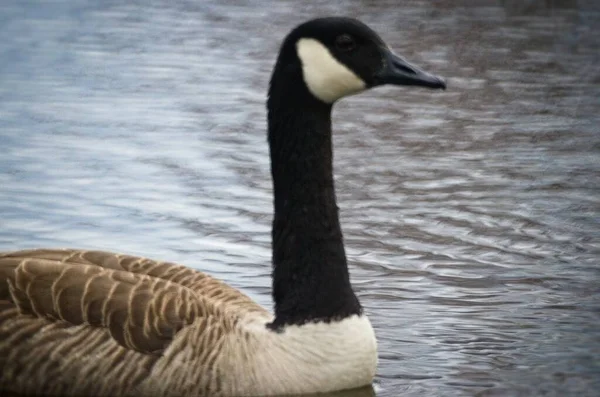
(122,312)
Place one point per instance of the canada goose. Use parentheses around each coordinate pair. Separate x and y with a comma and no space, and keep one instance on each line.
(89,323)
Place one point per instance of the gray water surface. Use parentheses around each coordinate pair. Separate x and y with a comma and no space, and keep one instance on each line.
(471,217)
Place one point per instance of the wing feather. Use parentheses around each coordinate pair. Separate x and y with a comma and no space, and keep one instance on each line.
(78,322)
(236,302)
(142,313)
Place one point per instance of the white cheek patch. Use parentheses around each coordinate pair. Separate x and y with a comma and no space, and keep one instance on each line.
(325,77)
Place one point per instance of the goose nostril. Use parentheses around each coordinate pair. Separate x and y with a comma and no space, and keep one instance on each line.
(405,68)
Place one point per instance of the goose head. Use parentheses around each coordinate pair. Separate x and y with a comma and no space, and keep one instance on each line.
(337,57)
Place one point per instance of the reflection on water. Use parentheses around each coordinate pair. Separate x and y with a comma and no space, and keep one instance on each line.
(471,217)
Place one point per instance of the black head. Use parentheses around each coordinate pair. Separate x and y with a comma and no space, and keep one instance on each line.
(343,56)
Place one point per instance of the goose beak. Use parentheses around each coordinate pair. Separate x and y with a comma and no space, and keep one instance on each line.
(396,70)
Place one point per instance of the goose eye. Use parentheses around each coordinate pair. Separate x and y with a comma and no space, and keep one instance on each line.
(345,43)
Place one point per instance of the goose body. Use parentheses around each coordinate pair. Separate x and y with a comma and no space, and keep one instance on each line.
(76,322)
(99,323)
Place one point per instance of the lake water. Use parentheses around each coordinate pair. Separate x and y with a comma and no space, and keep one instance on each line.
(471,216)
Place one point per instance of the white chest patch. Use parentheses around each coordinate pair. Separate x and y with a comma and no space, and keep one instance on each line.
(325,77)
(306,359)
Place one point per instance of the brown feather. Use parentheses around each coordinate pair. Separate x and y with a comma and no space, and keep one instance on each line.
(94,323)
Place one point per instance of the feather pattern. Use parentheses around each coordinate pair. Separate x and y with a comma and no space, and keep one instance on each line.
(94,323)
(116,314)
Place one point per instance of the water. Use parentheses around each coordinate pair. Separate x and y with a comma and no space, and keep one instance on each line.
(471,216)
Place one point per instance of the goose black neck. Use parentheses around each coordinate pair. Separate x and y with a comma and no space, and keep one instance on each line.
(310,275)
